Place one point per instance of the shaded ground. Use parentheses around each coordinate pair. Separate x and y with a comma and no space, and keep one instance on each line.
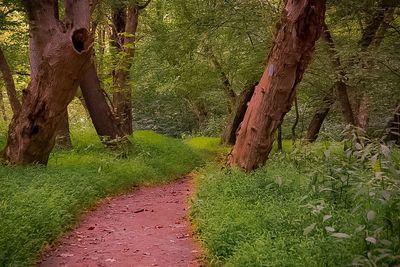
(147,227)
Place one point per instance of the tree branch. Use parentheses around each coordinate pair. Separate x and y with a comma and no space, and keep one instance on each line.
(144,5)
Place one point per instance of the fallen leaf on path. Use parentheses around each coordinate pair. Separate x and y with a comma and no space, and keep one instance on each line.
(65,255)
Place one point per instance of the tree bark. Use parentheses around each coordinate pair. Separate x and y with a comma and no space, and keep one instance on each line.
(393,128)
(340,87)
(9,81)
(63,137)
(362,112)
(2,107)
(103,119)
(237,115)
(300,28)
(296,121)
(125,23)
(319,117)
(59,52)
(279,139)
(215,63)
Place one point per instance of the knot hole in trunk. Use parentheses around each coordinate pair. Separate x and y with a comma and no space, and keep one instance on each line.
(81,40)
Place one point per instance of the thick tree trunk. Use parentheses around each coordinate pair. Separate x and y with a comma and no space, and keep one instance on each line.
(58,54)
(319,117)
(393,128)
(96,104)
(9,81)
(63,137)
(237,115)
(300,28)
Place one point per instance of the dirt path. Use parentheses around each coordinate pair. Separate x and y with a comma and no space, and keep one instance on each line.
(147,227)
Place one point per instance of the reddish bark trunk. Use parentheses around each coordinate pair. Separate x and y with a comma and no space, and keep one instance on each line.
(96,104)
(58,54)
(237,115)
(300,28)
(9,81)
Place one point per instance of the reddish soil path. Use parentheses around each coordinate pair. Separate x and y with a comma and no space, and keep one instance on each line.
(147,227)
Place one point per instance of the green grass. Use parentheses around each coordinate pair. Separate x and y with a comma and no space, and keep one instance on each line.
(38,204)
(259,219)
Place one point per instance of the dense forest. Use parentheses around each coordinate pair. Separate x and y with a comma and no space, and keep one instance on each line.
(287,114)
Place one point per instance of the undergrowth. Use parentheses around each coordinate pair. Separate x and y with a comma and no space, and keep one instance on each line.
(314,206)
(38,204)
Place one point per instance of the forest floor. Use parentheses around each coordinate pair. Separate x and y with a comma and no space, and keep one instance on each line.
(147,227)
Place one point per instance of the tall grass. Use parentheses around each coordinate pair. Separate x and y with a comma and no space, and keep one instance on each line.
(307,208)
(38,204)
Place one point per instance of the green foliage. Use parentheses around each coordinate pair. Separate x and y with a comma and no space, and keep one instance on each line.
(38,204)
(315,206)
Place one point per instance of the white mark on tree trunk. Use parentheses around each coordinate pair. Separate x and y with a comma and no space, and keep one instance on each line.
(271,69)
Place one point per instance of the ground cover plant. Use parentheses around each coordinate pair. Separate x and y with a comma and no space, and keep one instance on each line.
(317,207)
(38,204)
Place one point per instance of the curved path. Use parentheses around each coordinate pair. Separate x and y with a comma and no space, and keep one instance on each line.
(147,227)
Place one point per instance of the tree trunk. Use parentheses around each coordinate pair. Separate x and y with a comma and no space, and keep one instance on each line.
(300,28)
(125,20)
(393,128)
(372,35)
(296,121)
(362,112)
(237,115)
(96,104)
(58,54)
(63,137)
(319,117)
(216,65)
(9,81)
(2,107)
(279,139)
(340,88)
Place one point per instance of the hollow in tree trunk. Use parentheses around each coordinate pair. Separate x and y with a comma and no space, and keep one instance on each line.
(300,27)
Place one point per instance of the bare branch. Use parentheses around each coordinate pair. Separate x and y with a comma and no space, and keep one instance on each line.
(144,5)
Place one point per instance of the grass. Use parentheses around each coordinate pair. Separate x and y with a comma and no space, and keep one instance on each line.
(271,218)
(38,204)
